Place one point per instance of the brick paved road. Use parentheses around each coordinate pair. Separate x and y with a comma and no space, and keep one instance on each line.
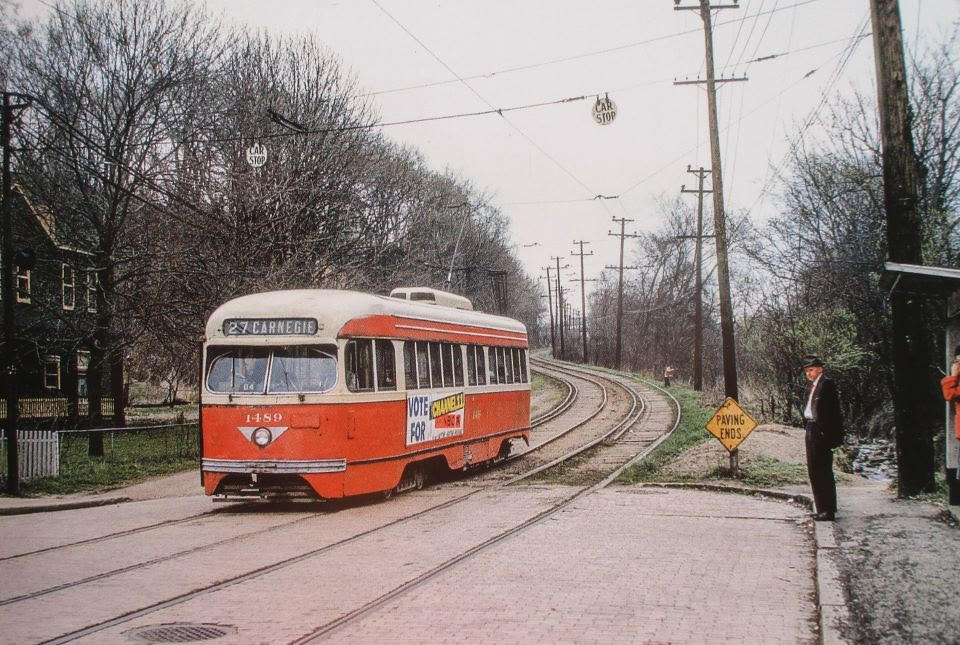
(622,565)
(625,565)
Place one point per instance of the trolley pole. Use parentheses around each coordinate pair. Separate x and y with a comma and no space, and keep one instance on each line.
(698,285)
(622,234)
(583,298)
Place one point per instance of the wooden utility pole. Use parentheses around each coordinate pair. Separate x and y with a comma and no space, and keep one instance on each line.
(553,336)
(560,305)
(9,363)
(719,224)
(583,317)
(916,405)
(583,298)
(623,235)
(698,284)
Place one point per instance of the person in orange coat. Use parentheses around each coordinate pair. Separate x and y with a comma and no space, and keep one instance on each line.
(951,392)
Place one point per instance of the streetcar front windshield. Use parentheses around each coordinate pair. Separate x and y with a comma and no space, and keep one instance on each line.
(266,370)
(303,369)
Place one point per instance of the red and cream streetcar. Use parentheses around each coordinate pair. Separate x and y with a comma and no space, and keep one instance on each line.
(326,393)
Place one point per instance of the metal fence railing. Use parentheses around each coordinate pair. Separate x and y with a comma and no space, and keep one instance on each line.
(51,453)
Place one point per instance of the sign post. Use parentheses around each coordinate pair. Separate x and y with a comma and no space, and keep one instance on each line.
(731,424)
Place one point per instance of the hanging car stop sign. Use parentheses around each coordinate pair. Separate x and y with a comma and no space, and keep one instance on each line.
(256,155)
(604,110)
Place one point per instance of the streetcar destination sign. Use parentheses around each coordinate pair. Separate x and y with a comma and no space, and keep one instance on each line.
(730,424)
(270,327)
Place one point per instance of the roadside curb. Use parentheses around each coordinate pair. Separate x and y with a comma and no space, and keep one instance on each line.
(797,498)
(832,610)
(64,506)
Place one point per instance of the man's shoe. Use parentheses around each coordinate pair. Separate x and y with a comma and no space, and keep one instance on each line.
(823,517)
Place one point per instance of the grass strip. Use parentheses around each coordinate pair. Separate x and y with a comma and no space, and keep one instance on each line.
(690,432)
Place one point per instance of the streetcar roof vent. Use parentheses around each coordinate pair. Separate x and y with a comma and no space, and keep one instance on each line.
(432,296)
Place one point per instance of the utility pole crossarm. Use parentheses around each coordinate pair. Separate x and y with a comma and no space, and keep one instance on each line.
(698,81)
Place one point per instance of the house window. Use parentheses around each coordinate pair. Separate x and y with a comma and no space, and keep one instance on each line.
(23,285)
(83,364)
(51,372)
(92,283)
(69,279)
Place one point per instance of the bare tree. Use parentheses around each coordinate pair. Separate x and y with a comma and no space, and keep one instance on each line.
(115,84)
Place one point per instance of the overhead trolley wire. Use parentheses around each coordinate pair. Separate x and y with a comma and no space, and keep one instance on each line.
(845,53)
(567,59)
(482,98)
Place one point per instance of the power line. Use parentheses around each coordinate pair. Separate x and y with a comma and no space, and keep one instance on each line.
(482,98)
(566,59)
(847,54)
(672,162)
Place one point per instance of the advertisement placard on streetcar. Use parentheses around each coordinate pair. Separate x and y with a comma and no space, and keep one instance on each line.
(434,415)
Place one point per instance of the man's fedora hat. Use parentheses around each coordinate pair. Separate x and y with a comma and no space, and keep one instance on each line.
(811,361)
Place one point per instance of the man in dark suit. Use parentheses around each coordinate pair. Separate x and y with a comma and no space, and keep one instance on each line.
(824,432)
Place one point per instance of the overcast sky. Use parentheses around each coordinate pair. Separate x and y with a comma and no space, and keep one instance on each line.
(543,166)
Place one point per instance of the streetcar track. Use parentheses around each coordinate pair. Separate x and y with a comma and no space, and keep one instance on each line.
(157,560)
(566,402)
(117,534)
(625,421)
(333,626)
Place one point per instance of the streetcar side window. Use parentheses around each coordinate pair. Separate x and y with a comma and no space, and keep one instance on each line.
(481,365)
(359,363)
(237,370)
(523,365)
(508,359)
(492,365)
(471,365)
(517,373)
(410,364)
(436,367)
(457,365)
(303,368)
(446,355)
(386,366)
(501,366)
(423,365)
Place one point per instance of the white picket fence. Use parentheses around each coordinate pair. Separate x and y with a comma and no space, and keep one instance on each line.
(38,453)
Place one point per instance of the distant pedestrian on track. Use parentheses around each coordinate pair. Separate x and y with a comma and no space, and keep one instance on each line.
(667,375)
(949,385)
(823,423)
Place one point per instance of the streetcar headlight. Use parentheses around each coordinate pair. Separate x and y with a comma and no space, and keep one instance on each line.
(262,437)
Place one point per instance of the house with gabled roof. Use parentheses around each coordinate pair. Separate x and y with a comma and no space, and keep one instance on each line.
(56,300)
